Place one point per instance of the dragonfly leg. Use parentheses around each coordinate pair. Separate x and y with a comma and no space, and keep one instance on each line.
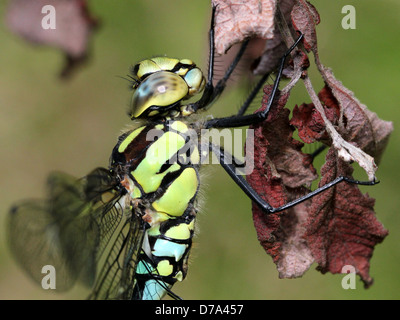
(241,120)
(226,162)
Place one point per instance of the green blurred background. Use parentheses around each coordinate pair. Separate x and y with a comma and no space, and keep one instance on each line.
(47,124)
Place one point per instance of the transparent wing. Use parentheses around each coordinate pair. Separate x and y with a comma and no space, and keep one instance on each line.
(69,230)
(35,242)
(116,280)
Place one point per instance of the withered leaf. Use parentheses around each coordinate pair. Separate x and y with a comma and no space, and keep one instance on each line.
(275,47)
(238,20)
(309,122)
(281,170)
(335,228)
(358,124)
(295,255)
(341,227)
(304,18)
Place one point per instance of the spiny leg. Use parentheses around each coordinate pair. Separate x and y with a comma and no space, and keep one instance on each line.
(245,120)
(226,160)
(221,84)
(252,95)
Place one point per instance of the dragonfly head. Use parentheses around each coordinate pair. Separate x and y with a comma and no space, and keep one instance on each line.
(161,84)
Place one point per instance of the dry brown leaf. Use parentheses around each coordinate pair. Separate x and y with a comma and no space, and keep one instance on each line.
(342,228)
(236,20)
(281,171)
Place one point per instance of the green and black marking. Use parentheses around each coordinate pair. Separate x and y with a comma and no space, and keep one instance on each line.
(165,185)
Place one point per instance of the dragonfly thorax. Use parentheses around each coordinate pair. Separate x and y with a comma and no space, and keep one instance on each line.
(161,84)
(158,166)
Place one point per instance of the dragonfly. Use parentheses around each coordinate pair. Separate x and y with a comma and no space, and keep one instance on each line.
(126,231)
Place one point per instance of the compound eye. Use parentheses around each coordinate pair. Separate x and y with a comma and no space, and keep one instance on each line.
(195,80)
(159,89)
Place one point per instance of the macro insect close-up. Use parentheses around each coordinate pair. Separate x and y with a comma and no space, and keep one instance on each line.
(161,209)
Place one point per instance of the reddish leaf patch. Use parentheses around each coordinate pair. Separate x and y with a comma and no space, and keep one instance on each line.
(304,18)
(281,170)
(335,228)
(309,121)
(341,227)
